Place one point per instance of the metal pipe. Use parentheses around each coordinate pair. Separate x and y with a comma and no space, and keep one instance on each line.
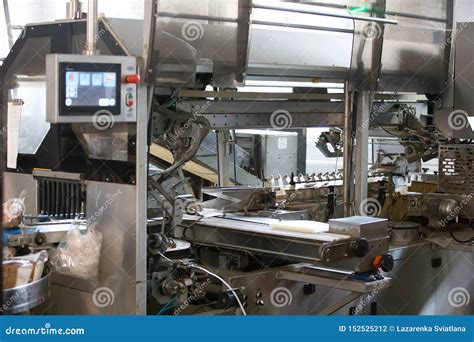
(308,10)
(92,23)
(196,17)
(301,26)
(346,149)
(74,9)
(6,10)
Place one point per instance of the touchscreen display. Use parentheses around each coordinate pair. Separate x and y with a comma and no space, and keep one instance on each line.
(86,88)
(90,89)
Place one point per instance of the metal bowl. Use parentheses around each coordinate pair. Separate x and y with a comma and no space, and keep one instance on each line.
(24,298)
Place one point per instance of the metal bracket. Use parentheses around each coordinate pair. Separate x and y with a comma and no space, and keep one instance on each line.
(340,281)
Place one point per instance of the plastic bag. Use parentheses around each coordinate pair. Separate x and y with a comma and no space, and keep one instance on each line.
(79,253)
(39,260)
(13,211)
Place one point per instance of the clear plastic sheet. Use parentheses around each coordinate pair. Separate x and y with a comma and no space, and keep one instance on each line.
(79,253)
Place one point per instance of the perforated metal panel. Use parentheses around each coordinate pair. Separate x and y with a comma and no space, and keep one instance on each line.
(456,168)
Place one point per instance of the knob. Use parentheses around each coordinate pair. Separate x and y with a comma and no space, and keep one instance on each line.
(40,239)
(360,247)
(387,262)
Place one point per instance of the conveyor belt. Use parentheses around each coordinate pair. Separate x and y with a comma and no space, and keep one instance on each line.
(245,235)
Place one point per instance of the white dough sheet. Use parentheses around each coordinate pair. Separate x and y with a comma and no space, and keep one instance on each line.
(300,226)
(319,229)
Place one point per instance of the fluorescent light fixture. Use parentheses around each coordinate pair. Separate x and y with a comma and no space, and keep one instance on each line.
(265,132)
(253,83)
(263,89)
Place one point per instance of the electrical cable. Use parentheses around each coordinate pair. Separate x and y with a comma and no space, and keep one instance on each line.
(226,284)
(164,257)
(167,306)
(389,133)
(204,128)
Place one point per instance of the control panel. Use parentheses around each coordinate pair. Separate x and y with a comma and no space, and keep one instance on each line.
(84,89)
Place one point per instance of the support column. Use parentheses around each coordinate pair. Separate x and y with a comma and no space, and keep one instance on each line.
(141,184)
(223,159)
(361,149)
(92,24)
(347,150)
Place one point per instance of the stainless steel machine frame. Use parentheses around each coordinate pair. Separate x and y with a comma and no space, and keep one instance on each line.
(123,224)
(364,66)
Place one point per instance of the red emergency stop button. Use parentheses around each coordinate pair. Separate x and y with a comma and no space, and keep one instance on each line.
(132,79)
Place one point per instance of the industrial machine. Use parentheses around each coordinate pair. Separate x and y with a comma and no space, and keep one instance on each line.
(81,149)
(101,97)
